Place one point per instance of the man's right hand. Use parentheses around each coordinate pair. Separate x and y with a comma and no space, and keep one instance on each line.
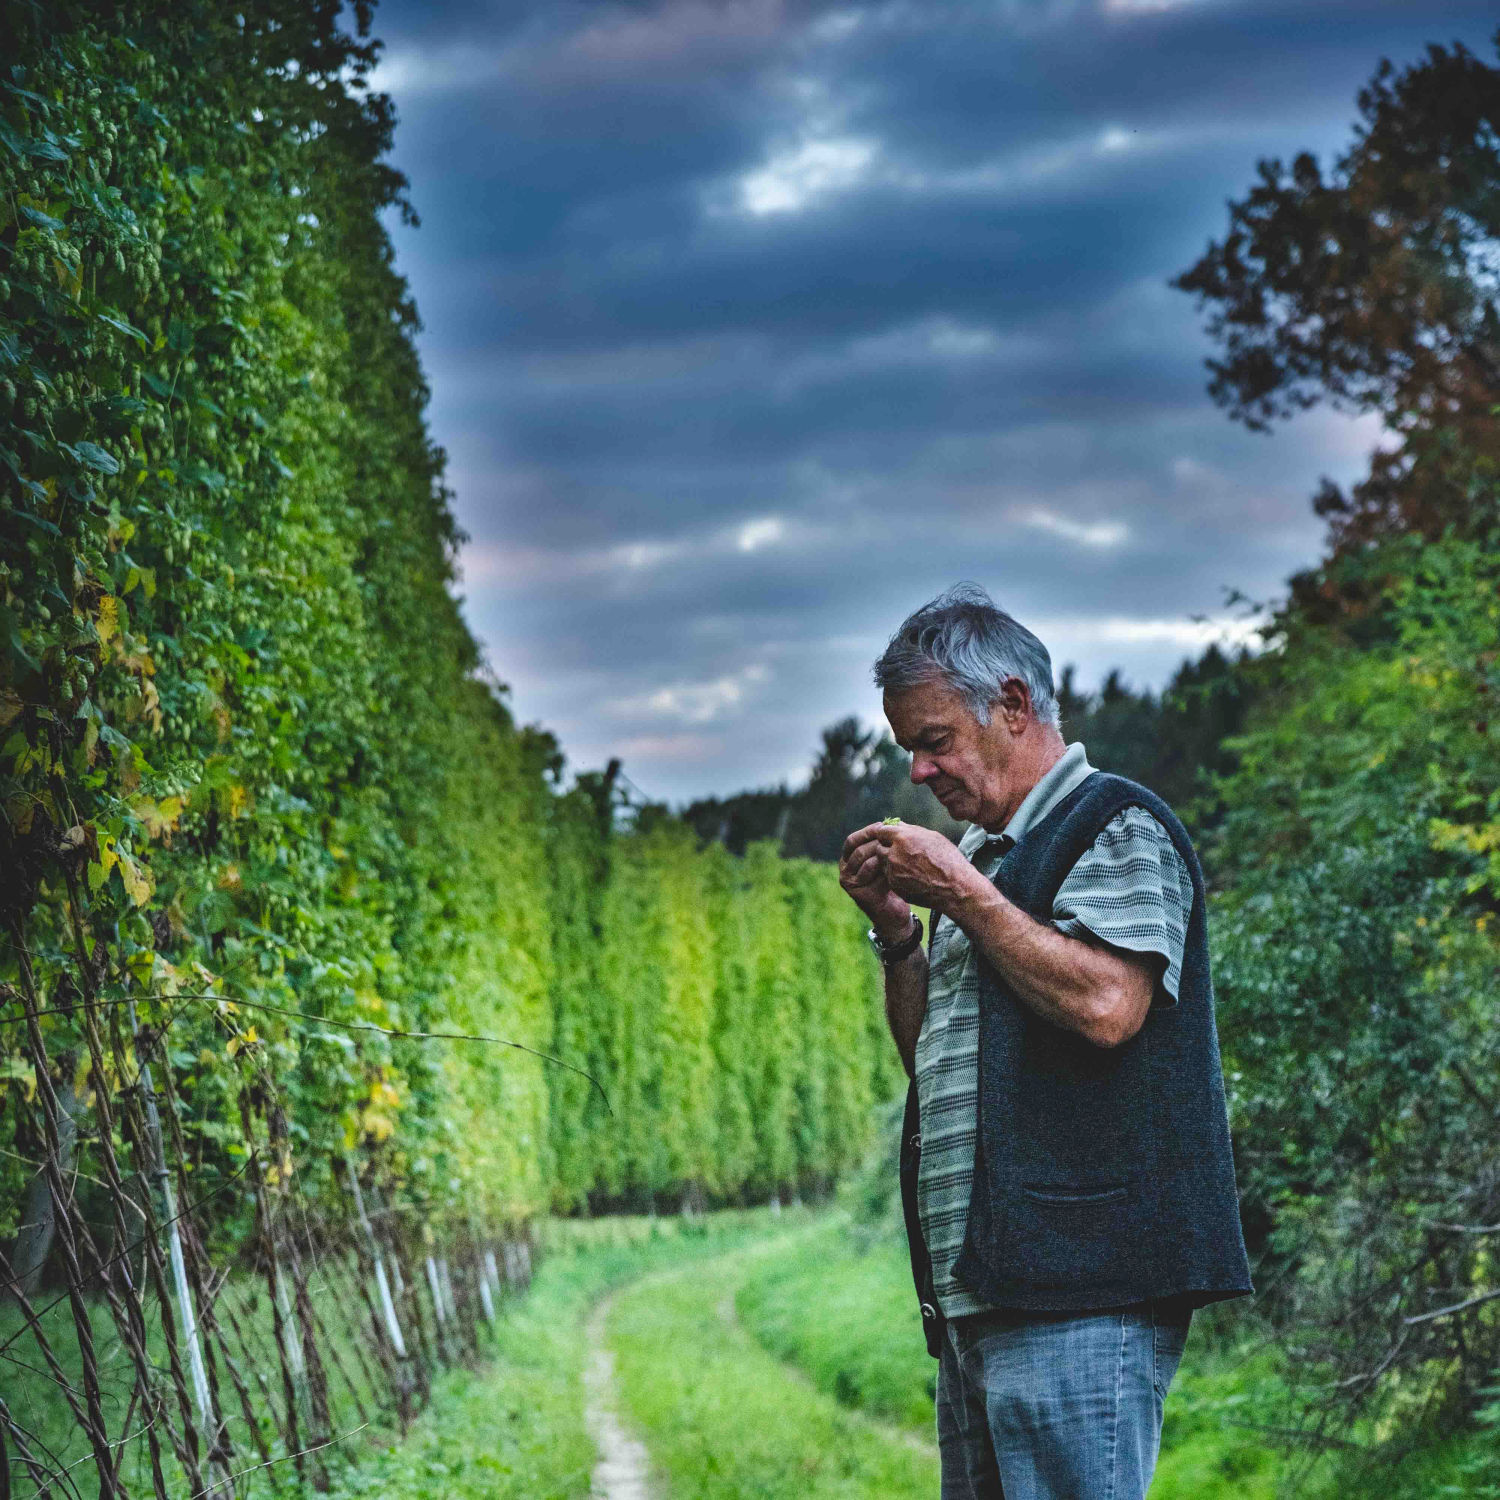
(862,875)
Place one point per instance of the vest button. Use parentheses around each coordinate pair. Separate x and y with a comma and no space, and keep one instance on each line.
(929,1311)
(916,1141)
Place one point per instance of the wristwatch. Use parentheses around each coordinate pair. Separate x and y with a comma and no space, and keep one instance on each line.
(892,953)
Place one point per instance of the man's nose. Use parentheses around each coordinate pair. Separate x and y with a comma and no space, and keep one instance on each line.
(921,770)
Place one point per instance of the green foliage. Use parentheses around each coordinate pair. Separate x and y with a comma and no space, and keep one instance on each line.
(39,1406)
(249,754)
(1355,961)
(1173,742)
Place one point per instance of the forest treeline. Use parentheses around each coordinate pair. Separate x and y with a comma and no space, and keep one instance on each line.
(1176,742)
(268,826)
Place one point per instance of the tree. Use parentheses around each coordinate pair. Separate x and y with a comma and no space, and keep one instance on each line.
(1176,743)
(1355,962)
(1372,287)
(859,776)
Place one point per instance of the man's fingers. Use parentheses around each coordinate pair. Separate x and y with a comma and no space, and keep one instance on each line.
(862,870)
(854,853)
(858,837)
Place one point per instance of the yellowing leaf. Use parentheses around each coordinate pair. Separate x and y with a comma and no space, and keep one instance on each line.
(22,1072)
(108,620)
(139,881)
(158,817)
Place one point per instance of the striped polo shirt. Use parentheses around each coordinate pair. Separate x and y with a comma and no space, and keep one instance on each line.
(1130,888)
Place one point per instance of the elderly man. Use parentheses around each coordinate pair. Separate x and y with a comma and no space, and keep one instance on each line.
(1065,1167)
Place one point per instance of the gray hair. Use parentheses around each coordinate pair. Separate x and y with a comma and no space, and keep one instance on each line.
(966,640)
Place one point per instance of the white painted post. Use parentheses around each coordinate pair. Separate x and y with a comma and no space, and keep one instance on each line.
(435,1286)
(187,1311)
(387,1307)
(289,1326)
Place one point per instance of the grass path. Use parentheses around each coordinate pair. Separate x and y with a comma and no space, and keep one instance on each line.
(723,1419)
(623,1469)
(521,1427)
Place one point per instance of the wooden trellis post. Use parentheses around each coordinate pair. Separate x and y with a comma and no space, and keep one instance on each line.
(387,1306)
(163,1176)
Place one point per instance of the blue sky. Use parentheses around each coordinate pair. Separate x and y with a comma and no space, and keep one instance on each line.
(752,324)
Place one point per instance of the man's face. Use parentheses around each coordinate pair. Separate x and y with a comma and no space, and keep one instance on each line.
(968,765)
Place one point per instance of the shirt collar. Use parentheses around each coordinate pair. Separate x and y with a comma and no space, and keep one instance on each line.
(1053,786)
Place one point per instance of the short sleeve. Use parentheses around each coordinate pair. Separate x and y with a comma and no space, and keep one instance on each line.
(1132,889)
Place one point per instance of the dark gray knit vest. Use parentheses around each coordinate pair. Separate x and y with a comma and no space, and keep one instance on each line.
(1103,1176)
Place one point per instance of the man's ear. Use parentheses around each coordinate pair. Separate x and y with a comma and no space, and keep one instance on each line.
(1014,705)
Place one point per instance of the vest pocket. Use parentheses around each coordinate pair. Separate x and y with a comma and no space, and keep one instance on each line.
(1071,1195)
(1066,1235)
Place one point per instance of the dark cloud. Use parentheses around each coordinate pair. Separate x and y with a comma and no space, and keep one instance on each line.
(751,324)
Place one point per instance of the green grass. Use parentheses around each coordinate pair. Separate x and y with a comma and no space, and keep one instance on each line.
(844,1313)
(847,1316)
(770,1402)
(515,1430)
(849,1320)
(722,1417)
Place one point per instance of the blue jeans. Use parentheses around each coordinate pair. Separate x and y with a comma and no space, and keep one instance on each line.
(1055,1406)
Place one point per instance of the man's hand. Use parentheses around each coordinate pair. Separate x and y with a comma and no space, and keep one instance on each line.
(862,875)
(922,865)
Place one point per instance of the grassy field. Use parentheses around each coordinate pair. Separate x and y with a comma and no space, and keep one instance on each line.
(773,1358)
(778,1359)
(849,1319)
(844,1313)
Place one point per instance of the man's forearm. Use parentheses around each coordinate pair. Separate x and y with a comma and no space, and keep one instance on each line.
(906,1003)
(1075,984)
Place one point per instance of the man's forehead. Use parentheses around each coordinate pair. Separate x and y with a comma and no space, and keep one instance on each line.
(923,710)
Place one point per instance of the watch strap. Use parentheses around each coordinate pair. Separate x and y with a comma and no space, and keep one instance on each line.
(895,952)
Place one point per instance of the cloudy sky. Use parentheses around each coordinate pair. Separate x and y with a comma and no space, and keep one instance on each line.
(751,324)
